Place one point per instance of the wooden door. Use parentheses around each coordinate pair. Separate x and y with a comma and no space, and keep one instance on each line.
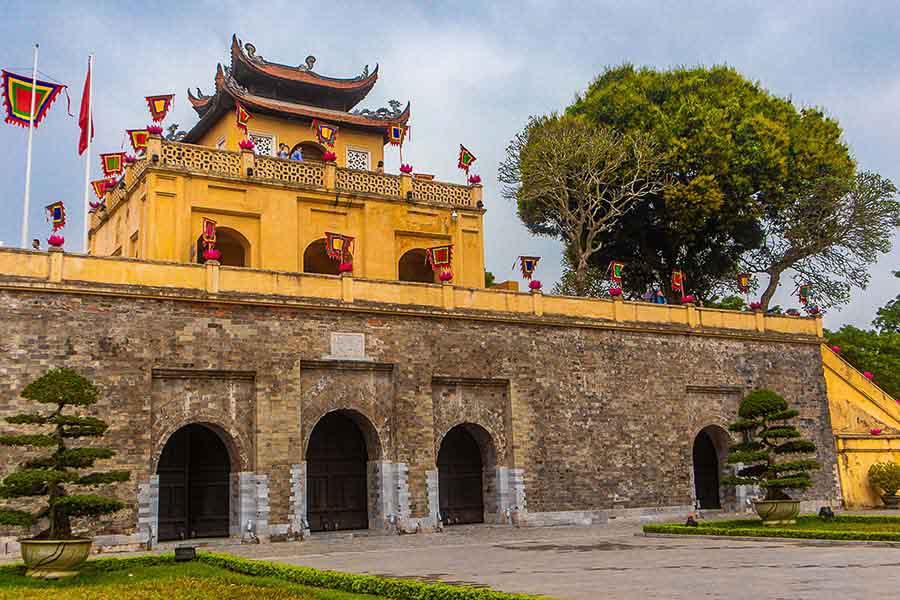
(706,471)
(460,479)
(336,475)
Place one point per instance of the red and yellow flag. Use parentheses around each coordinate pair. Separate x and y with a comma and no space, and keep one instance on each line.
(159,106)
(17,92)
(113,163)
(242,115)
(138,138)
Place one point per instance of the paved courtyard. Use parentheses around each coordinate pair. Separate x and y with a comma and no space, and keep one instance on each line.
(605,562)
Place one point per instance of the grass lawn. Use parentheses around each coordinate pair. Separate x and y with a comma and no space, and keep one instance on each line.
(176,581)
(855,527)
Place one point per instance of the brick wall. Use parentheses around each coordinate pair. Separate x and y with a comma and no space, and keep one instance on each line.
(592,418)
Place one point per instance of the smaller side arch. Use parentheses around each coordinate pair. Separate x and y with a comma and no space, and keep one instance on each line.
(709,452)
(233,246)
(315,259)
(309,150)
(413,266)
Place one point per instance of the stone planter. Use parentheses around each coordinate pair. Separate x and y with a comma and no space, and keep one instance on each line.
(891,501)
(777,512)
(52,559)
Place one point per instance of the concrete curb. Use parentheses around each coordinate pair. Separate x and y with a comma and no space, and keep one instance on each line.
(807,541)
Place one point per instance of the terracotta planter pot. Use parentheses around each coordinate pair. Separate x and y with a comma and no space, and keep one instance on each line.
(52,559)
(777,512)
(891,501)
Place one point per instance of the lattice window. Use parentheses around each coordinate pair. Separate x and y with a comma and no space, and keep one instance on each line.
(265,144)
(366,181)
(443,193)
(307,173)
(199,158)
(357,159)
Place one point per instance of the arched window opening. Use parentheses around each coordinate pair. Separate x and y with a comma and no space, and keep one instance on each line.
(234,248)
(309,151)
(337,490)
(194,481)
(315,260)
(413,266)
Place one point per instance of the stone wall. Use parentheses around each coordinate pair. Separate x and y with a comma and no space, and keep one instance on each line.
(575,420)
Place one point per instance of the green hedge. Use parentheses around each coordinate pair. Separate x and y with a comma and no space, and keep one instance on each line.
(395,589)
(776,532)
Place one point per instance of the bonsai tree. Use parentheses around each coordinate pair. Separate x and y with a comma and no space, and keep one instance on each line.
(767,445)
(52,475)
(886,477)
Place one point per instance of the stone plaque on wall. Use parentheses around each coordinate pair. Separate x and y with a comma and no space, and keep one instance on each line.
(348,346)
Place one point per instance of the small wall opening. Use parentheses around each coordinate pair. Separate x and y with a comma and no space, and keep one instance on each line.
(315,260)
(309,151)
(233,246)
(413,266)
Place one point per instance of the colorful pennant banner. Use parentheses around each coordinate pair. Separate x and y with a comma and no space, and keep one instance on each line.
(743,281)
(396,134)
(466,159)
(528,264)
(56,215)
(99,187)
(678,281)
(614,270)
(209,232)
(17,92)
(159,106)
(138,138)
(242,116)
(339,246)
(805,293)
(439,257)
(326,133)
(113,163)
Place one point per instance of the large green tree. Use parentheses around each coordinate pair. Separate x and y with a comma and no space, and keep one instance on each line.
(574,180)
(733,153)
(828,232)
(888,319)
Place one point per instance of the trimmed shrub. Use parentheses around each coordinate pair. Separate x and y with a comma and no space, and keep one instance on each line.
(886,477)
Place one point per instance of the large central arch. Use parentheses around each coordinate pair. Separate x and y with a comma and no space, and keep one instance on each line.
(194,485)
(337,475)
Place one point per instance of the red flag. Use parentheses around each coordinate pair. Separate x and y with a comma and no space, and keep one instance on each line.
(85,114)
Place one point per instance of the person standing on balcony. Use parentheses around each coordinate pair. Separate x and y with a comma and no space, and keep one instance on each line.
(282,150)
(296,154)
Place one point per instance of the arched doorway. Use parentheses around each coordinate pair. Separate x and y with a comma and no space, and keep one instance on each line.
(336,460)
(709,452)
(233,246)
(413,266)
(460,478)
(309,151)
(315,260)
(194,481)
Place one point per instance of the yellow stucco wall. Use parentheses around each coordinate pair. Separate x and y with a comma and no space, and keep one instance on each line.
(856,406)
(292,132)
(279,222)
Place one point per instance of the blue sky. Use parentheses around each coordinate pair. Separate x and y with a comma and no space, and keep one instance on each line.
(474,73)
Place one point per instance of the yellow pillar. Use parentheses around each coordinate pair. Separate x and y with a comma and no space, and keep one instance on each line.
(346,287)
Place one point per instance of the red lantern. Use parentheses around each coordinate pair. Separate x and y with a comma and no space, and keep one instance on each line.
(56,240)
(212,254)
(868,375)
(615,292)
(446,276)
(345,267)
(534,285)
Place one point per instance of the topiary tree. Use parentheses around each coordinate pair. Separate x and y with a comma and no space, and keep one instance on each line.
(767,437)
(52,475)
(886,477)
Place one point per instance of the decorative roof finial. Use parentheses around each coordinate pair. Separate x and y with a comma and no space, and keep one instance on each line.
(310,63)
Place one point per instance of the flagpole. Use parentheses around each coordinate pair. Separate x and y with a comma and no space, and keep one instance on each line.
(28,154)
(87,154)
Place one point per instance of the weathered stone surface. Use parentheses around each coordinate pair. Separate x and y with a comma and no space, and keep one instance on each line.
(580,419)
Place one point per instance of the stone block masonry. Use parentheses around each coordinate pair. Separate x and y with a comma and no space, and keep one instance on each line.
(575,422)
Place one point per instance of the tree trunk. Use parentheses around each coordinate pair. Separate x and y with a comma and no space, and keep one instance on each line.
(774,274)
(581,270)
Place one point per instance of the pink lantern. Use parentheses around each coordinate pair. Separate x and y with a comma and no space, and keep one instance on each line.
(474,179)
(56,240)
(868,375)
(154,130)
(446,276)
(615,292)
(875,431)
(345,267)
(406,168)
(212,254)
(329,156)
(836,349)
(756,306)
(687,299)
(246,144)
(534,285)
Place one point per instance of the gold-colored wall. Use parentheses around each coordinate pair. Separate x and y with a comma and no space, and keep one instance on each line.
(292,132)
(857,406)
(279,222)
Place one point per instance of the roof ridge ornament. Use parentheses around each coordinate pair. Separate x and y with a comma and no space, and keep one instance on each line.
(250,49)
(382,114)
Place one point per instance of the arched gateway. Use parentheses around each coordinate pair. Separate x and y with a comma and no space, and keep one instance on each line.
(336,475)
(194,485)
(709,453)
(461,475)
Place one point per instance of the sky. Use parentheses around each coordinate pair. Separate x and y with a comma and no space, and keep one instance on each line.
(474,73)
